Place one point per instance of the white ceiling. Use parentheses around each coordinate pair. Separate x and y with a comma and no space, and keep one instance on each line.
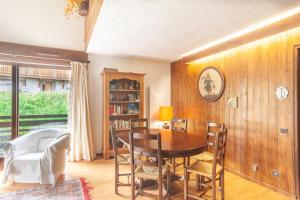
(166,29)
(40,22)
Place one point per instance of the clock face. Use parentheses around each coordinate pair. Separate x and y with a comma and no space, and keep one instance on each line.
(211,84)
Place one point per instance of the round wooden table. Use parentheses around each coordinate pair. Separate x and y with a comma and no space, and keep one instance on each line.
(174,143)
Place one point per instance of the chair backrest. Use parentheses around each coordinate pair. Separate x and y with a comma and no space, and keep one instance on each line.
(144,146)
(212,129)
(139,124)
(179,125)
(114,141)
(219,148)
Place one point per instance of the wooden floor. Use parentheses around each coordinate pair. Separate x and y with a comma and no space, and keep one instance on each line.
(100,176)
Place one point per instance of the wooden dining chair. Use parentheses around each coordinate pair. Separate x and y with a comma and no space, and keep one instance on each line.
(119,159)
(208,170)
(139,124)
(179,125)
(147,169)
(212,128)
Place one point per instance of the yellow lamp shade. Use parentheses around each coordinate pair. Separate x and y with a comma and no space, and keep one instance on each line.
(165,113)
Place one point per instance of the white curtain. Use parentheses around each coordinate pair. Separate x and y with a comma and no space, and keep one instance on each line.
(79,116)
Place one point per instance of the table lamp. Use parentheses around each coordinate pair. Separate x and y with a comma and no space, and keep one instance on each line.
(165,115)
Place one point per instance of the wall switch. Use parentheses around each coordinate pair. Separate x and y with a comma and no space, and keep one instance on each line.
(284,130)
(275,172)
(233,102)
(255,167)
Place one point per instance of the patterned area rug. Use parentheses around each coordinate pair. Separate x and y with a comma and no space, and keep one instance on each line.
(70,190)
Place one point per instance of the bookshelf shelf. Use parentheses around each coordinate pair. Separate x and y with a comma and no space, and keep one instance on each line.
(122,93)
(125,115)
(113,90)
(120,102)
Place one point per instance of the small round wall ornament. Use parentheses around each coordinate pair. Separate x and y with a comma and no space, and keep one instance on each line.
(282,93)
(211,84)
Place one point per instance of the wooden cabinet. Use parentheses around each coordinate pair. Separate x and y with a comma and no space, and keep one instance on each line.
(123,99)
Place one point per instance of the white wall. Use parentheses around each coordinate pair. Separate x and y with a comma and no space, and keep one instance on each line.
(157,87)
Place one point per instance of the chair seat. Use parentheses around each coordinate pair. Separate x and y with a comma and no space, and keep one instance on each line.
(204,168)
(27,167)
(123,159)
(205,156)
(150,172)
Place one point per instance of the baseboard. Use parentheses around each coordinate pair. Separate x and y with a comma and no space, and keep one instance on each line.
(293,196)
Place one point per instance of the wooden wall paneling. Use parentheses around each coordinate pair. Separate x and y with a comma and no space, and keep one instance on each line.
(243,109)
(185,92)
(254,109)
(258,136)
(264,133)
(179,90)
(233,131)
(190,96)
(273,115)
(227,71)
(252,72)
(177,65)
(284,148)
(201,109)
(238,115)
(174,87)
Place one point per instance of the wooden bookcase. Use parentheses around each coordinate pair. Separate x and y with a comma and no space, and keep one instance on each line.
(123,99)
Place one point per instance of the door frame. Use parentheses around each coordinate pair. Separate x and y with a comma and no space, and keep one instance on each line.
(297,119)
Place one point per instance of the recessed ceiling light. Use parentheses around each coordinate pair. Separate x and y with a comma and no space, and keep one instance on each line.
(245,31)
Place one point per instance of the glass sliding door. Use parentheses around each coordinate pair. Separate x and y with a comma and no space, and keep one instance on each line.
(6,88)
(43,98)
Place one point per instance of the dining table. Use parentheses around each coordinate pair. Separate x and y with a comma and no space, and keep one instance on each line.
(174,144)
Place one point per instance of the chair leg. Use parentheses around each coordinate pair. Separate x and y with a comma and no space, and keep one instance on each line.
(222,185)
(197,182)
(202,180)
(186,181)
(168,186)
(116,178)
(141,186)
(174,164)
(214,188)
(159,189)
(132,187)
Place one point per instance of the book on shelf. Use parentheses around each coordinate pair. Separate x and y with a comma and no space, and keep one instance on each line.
(121,124)
(124,84)
(125,97)
(131,108)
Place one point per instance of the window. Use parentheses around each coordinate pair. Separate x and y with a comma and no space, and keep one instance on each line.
(32,99)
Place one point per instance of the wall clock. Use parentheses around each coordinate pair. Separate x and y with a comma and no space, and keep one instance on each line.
(211,84)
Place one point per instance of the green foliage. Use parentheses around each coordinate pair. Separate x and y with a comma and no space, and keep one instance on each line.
(36,103)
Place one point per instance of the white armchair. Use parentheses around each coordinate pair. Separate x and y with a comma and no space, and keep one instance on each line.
(37,157)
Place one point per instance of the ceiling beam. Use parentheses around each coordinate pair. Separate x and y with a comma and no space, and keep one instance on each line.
(272,29)
(91,19)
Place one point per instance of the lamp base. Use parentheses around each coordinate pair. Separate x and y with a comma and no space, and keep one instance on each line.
(165,126)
